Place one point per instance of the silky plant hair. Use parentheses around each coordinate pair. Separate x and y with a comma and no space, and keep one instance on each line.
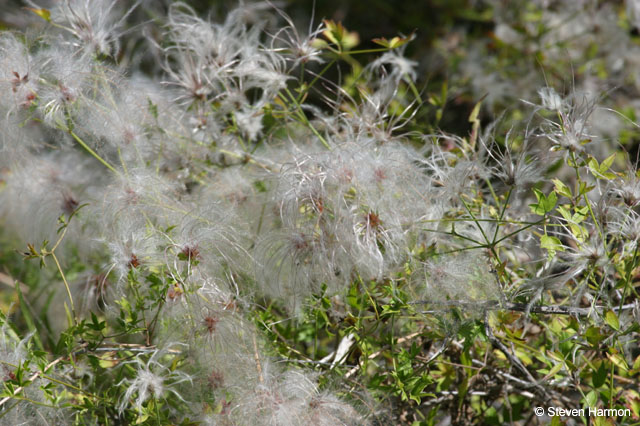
(201,190)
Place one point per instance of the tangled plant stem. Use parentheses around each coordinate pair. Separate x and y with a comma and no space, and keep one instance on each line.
(291,228)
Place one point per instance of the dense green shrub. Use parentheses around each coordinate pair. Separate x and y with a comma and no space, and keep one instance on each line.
(237,221)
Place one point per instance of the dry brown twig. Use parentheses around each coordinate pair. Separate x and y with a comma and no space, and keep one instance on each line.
(31,379)
(495,305)
(399,341)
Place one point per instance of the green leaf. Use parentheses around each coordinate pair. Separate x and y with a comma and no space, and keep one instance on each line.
(606,164)
(561,188)
(475,120)
(340,36)
(153,108)
(395,42)
(580,214)
(618,361)
(96,324)
(353,298)
(612,319)
(260,186)
(564,211)
(552,244)
(574,219)
(154,280)
(600,170)
(545,204)
(475,112)
(68,313)
(556,368)
(552,199)
(591,399)
(599,376)
(584,188)
(142,417)
(43,13)
(593,335)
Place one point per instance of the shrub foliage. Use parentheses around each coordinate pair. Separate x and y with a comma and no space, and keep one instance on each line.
(234,220)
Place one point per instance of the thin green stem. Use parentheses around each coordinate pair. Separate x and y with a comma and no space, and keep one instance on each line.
(455,234)
(586,200)
(517,231)
(306,121)
(66,285)
(92,152)
(504,208)
(475,221)
(627,283)
(362,51)
(414,89)
(511,222)
(493,193)
(316,78)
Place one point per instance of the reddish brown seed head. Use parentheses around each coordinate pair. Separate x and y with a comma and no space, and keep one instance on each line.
(190,252)
(174,292)
(210,322)
(379,175)
(216,379)
(66,94)
(133,261)
(17,81)
(69,203)
(373,220)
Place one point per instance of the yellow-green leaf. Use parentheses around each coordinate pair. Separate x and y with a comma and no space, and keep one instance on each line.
(107,361)
(552,244)
(395,42)
(43,13)
(591,399)
(618,361)
(607,162)
(561,188)
(612,319)
(556,368)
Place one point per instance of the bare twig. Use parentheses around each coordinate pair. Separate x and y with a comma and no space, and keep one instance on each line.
(514,360)
(495,305)
(377,354)
(132,348)
(31,379)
